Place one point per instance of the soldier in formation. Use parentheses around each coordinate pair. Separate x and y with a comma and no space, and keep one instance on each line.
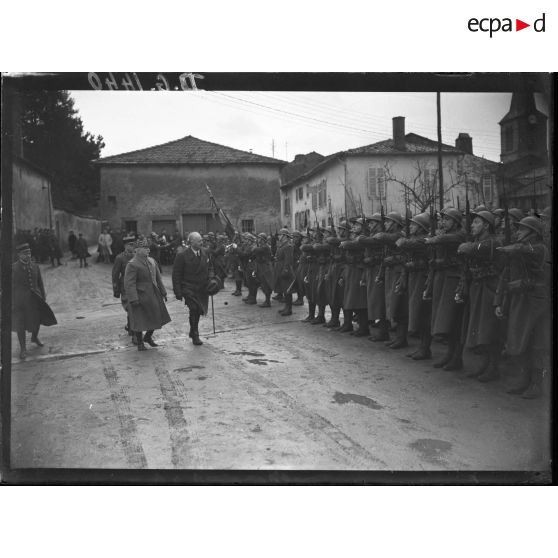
(478,282)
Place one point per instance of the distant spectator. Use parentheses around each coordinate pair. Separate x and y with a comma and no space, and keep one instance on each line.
(72,239)
(105,243)
(81,251)
(54,251)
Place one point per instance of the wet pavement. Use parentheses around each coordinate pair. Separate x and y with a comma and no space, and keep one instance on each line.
(263,392)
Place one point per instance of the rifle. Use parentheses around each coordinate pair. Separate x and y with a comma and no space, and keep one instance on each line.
(229,229)
(507,228)
(467,213)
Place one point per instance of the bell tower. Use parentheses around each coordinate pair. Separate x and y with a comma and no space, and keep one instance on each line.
(523,129)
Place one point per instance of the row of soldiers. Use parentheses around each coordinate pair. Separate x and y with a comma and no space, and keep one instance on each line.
(479,282)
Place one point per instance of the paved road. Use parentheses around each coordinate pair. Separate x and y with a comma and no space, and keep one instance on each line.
(264,392)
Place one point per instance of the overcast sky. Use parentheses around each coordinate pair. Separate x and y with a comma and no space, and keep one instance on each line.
(325,122)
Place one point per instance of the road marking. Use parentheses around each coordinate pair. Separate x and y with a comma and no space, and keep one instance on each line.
(131,444)
(178,426)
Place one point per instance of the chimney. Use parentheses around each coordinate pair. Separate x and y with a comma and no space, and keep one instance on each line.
(399,133)
(464,142)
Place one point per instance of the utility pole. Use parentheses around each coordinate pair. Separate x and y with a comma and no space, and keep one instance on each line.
(440,168)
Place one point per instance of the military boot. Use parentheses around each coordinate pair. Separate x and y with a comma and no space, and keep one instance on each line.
(347,321)
(267,302)
(299,300)
(382,333)
(238,291)
(288,310)
(521,383)
(456,360)
(320,318)
(334,321)
(492,372)
(362,319)
(311,312)
(400,336)
(481,368)
(534,391)
(139,338)
(148,338)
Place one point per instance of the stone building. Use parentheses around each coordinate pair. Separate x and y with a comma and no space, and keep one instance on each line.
(395,173)
(164,187)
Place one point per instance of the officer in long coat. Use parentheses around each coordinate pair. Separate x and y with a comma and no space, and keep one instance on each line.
(482,328)
(29,307)
(284,271)
(394,278)
(264,268)
(375,292)
(233,252)
(528,306)
(443,279)
(118,272)
(190,277)
(146,295)
(420,310)
(354,296)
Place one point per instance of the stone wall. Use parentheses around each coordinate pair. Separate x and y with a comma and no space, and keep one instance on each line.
(148,193)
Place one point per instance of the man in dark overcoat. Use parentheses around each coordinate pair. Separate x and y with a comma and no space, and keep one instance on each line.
(29,307)
(146,295)
(308,270)
(118,273)
(284,271)
(528,306)
(190,276)
(81,251)
(297,256)
(444,277)
(72,239)
(482,328)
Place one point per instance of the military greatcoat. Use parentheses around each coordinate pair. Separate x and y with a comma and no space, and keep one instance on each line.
(355,293)
(143,283)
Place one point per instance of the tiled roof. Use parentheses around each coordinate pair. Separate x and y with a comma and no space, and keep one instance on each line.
(188,151)
(413,144)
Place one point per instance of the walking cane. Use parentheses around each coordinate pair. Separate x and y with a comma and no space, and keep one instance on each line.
(213,315)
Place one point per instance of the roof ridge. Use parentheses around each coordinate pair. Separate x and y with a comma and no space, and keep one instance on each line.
(198,141)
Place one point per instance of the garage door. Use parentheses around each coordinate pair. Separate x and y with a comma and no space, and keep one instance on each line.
(194,222)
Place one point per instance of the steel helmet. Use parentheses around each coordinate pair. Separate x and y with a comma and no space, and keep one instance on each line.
(533,223)
(516,214)
(453,213)
(396,217)
(487,217)
(422,220)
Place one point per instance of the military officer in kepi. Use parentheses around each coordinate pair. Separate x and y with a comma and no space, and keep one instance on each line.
(193,280)
(118,271)
(29,307)
(146,295)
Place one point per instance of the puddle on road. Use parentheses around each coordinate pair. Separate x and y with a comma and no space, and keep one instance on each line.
(202,377)
(261,361)
(188,368)
(343,398)
(404,421)
(249,353)
(431,450)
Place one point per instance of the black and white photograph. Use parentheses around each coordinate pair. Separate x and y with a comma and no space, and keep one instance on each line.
(278,273)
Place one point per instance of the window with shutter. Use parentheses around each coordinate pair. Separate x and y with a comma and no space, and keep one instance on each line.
(376,183)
